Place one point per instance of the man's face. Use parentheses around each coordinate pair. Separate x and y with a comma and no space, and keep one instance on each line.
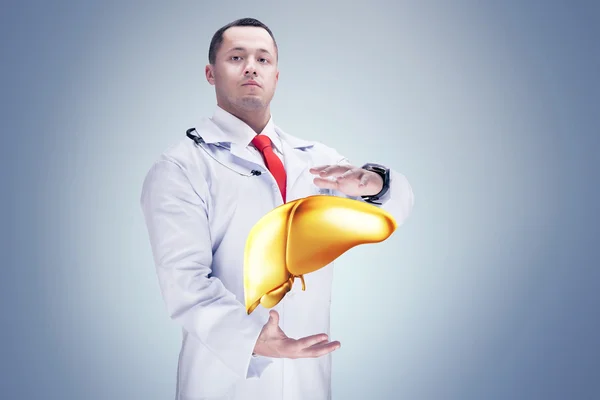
(245,72)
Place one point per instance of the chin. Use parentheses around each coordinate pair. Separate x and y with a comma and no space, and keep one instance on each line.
(251,103)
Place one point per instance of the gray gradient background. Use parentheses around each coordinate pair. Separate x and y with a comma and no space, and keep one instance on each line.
(490,290)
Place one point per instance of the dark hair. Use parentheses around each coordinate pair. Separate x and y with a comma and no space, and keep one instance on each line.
(217,38)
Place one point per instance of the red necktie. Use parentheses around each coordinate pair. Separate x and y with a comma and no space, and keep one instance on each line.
(274,164)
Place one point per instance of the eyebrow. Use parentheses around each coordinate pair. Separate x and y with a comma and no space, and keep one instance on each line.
(244,49)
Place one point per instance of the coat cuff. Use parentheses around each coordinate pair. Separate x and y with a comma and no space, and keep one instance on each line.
(258,364)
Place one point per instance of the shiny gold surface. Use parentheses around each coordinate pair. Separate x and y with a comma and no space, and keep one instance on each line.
(303,236)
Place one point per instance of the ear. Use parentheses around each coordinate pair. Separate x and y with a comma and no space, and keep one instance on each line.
(210,76)
(277,76)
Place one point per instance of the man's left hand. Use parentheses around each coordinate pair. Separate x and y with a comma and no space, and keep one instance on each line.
(350,180)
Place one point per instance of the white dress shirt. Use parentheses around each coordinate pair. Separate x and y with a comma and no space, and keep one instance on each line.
(239,132)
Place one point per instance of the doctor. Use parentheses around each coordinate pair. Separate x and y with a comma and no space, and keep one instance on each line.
(201,198)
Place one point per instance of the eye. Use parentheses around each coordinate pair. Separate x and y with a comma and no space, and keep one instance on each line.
(236,58)
(262,60)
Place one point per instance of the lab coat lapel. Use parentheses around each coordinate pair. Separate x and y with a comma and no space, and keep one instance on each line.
(234,154)
(297,162)
(243,156)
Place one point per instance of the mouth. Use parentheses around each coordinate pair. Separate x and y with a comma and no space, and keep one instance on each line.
(251,83)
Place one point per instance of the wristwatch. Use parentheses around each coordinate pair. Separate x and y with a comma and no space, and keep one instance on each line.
(385,174)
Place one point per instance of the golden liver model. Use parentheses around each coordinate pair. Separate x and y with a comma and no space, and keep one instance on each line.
(303,236)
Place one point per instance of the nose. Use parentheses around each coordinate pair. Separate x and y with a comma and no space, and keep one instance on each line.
(250,69)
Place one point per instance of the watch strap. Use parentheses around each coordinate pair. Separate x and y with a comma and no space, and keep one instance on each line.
(382,171)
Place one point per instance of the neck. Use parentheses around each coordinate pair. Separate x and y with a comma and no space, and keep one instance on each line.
(256,119)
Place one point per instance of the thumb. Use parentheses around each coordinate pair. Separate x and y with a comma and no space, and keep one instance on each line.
(363,180)
(274,317)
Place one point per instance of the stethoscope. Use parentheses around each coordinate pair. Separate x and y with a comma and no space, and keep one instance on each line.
(248,173)
(201,143)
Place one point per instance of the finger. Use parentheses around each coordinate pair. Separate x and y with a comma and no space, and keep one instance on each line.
(320,349)
(318,168)
(363,180)
(274,317)
(325,183)
(312,340)
(321,342)
(333,170)
(351,173)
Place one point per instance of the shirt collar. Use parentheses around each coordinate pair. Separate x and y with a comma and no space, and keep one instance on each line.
(240,133)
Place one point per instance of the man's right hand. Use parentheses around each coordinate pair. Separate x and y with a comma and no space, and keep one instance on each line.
(273,342)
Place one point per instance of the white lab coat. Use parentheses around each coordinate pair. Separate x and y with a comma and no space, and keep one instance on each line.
(198,214)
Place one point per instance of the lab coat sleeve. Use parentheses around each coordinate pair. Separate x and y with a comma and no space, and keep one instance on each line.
(398,201)
(177,221)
